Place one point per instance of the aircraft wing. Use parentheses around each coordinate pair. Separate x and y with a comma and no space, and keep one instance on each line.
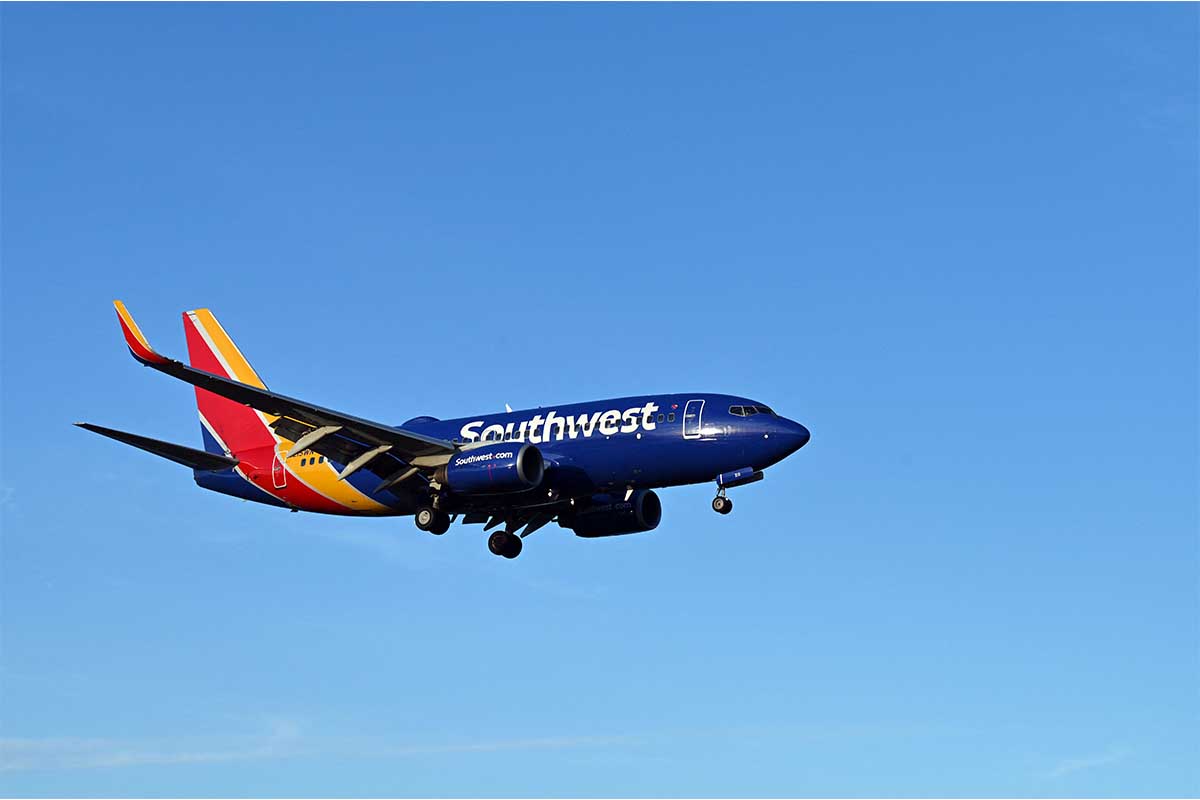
(340,437)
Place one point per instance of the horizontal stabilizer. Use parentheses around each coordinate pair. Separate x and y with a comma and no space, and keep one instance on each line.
(189,457)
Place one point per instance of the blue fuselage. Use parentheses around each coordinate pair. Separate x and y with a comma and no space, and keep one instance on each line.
(643,442)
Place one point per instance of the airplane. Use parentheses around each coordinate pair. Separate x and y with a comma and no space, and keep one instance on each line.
(591,467)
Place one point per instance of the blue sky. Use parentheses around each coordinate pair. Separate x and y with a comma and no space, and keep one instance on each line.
(958,242)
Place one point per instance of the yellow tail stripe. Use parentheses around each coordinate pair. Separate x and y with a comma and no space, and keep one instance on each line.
(127,318)
(323,478)
(242,371)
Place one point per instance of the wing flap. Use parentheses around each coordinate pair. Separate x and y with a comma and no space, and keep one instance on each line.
(342,449)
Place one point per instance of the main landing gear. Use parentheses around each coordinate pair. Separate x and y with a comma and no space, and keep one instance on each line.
(432,520)
(722,504)
(503,543)
(436,521)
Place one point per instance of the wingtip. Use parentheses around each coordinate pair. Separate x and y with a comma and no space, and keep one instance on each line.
(139,346)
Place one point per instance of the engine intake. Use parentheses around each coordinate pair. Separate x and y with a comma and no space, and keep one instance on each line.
(494,469)
(613,516)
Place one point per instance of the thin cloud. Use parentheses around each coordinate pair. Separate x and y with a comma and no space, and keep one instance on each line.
(1069,766)
(18,754)
(57,754)
(287,738)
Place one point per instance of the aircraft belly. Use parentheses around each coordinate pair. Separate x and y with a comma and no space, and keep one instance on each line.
(651,462)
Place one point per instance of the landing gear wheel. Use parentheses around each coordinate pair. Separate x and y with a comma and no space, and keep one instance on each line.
(425,517)
(722,504)
(441,524)
(431,520)
(502,543)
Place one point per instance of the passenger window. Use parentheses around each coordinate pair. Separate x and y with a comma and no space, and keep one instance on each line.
(660,417)
(303,461)
(670,417)
(321,460)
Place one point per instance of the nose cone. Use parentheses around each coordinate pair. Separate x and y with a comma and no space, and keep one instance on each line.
(780,438)
(789,437)
(794,435)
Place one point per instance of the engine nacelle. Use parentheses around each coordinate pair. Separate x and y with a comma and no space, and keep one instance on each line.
(614,516)
(494,469)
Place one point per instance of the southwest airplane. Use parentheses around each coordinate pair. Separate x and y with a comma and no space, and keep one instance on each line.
(590,467)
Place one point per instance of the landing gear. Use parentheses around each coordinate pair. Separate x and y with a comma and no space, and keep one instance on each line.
(432,520)
(722,504)
(503,543)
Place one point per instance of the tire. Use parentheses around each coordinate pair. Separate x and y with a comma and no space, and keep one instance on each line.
(426,517)
(441,524)
(514,547)
(505,544)
(722,505)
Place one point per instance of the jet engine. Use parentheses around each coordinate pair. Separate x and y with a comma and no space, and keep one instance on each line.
(494,469)
(614,516)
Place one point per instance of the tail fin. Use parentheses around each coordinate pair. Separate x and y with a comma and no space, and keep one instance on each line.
(229,428)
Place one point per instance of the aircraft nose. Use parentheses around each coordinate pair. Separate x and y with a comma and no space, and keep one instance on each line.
(795,434)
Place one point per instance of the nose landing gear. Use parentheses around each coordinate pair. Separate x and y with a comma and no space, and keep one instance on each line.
(722,504)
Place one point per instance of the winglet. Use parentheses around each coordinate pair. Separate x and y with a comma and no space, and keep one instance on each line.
(138,346)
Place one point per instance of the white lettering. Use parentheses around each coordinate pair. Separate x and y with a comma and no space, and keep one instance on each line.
(648,416)
(609,422)
(587,425)
(553,427)
(553,420)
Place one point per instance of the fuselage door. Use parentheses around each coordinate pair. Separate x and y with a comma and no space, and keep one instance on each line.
(278,473)
(691,419)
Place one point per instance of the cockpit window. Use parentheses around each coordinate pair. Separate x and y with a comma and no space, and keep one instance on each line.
(743,411)
(750,411)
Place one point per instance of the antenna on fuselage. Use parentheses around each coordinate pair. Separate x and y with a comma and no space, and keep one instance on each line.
(508,408)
